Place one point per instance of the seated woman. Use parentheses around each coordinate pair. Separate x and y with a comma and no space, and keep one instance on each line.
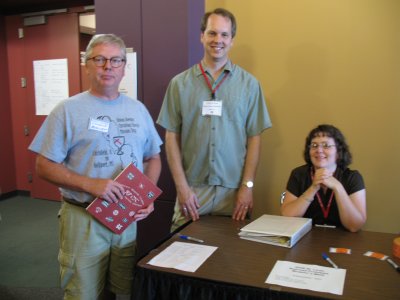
(325,189)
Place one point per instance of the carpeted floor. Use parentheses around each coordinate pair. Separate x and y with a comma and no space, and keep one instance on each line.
(30,293)
(28,249)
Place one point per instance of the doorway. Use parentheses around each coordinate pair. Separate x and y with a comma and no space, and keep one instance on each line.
(58,36)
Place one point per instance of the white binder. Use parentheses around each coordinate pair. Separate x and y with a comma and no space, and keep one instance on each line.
(276,230)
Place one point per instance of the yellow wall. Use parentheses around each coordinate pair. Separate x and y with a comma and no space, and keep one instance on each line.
(330,61)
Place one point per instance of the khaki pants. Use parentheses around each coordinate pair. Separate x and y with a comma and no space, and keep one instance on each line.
(213,199)
(92,257)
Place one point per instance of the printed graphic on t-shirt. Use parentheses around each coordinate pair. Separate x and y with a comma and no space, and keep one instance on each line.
(120,132)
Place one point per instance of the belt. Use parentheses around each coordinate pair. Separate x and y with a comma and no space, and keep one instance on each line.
(74,202)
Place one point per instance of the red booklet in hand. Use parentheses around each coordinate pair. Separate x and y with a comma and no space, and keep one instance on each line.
(139,193)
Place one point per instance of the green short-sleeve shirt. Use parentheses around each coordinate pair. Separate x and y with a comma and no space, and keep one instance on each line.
(214,147)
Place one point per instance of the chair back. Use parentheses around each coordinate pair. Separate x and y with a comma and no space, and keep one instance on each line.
(282,197)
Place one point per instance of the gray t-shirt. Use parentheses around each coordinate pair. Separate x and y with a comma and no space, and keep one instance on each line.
(97,138)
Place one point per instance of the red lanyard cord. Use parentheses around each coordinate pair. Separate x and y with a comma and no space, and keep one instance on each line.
(213,91)
(325,210)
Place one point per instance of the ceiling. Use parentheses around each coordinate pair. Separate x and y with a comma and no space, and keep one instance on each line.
(14,7)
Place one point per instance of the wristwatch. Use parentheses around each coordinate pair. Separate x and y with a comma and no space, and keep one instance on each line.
(248,183)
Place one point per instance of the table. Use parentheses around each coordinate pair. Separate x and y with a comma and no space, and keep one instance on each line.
(238,268)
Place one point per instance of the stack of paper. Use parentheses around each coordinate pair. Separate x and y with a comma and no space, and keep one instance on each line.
(276,230)
(183,256)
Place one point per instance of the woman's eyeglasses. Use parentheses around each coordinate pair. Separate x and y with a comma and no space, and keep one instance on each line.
(324,146)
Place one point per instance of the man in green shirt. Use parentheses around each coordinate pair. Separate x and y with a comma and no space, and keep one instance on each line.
(214,114)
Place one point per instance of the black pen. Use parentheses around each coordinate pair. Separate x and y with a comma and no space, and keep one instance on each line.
(394,265)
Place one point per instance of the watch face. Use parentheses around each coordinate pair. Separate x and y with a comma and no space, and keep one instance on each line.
(249,184)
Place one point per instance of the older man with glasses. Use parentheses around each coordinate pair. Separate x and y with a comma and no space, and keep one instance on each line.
(77,151)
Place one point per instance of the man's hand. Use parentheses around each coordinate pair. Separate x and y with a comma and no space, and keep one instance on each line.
(107,189)
(244,203)
(144,213)
(188,203)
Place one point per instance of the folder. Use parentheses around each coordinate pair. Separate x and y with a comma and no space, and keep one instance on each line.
(276,230)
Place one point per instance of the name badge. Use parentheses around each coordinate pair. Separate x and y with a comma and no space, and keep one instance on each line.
(212,108)
(98,125)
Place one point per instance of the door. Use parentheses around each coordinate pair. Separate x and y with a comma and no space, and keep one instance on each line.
(57,39)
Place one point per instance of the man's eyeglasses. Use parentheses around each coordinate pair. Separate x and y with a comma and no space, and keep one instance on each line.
(324,146)
(100,61)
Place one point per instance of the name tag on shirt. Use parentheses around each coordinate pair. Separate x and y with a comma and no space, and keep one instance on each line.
(99,125)
(212,108)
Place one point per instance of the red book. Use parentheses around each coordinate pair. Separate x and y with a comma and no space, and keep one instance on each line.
(139,193)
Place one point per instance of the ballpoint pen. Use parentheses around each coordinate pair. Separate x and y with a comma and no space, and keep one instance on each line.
(393,264)
(325,225)
(324,256)
(185,237)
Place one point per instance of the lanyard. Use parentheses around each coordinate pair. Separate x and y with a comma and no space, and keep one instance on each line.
(213,91)
(325,210)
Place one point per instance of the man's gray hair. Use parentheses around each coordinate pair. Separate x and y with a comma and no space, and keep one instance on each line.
(109,39)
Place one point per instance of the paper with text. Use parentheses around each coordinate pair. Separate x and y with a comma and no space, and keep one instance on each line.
(310,277)
(51,84)
(183,256)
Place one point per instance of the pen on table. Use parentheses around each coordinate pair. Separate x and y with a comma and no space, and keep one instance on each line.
(324,256)
(185,237)
(393,264)
(325,225)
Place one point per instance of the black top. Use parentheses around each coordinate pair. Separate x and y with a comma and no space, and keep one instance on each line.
(300,180)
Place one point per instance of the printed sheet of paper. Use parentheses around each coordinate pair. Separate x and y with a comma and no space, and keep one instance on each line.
(183,256)
(310,277)
(51,84)
(128,84)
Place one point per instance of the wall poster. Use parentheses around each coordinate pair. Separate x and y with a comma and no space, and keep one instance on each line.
(51,84)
